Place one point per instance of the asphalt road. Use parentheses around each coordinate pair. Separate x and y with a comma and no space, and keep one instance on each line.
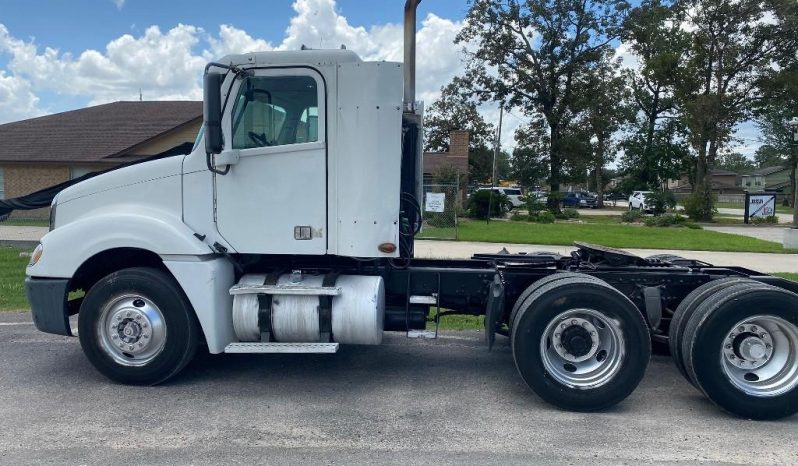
(408,401)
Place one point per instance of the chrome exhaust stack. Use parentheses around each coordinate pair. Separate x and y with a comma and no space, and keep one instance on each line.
(410,55)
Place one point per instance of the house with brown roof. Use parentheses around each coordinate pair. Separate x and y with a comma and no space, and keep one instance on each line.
(41,152)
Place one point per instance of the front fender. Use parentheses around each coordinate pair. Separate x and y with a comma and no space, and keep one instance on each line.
(69,246)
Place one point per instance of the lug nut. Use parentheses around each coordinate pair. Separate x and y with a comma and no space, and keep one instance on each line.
(741,328)
(728,346)
(753,328)
(574,322)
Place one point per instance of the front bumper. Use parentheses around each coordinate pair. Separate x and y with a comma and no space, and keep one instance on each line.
(48,303)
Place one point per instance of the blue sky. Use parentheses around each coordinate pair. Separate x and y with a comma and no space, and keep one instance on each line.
(77,25)
(61,55)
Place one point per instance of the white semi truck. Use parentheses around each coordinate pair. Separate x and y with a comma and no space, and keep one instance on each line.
(289,229)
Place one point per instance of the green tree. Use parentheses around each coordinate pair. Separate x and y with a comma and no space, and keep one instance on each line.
(480,164)
(653,148)
(732,45)
(455,110)
(769,156)
(735,161)
(535,55)
(603,113)
(779,104)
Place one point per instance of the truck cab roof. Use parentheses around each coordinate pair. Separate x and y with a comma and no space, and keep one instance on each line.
(292,57)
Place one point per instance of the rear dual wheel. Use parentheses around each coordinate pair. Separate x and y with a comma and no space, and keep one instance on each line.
(579,343)
(737,342)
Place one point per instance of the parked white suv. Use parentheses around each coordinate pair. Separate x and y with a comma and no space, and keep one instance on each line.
(514,195)
(638,201)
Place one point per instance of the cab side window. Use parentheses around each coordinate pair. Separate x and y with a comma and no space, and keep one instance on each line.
(275,111)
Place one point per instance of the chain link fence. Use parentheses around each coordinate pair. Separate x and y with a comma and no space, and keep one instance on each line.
(439,206)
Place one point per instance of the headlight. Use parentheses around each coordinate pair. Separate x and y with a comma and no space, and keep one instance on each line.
(36,255)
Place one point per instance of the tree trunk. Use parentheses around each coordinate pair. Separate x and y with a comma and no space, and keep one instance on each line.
(599,187)
(703,186)
(599,168)
(652,124)
(555,165)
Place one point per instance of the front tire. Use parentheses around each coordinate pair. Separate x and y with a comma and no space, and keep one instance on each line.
(137,327)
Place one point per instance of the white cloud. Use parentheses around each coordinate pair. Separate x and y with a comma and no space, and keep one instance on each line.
(17,100)
(168,64)
(119,3)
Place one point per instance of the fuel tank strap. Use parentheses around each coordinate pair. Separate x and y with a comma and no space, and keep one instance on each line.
(265,309)
(325,308)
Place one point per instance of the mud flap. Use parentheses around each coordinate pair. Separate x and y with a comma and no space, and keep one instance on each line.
(494,310)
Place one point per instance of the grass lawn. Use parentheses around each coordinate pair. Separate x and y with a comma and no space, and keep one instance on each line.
(608,234)
(788,275)
(12,278)
(26,222)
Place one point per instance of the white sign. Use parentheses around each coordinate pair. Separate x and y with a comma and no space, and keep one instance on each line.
(434,202)
(761,205)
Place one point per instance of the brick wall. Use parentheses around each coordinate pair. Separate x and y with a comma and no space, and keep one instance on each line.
(458,144)
(25,179)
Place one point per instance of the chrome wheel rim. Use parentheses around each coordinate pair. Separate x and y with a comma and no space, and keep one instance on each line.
(131,330)
(759,356)
(583,348)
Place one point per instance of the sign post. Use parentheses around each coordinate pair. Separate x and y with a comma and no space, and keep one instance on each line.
(434,202)
(759,205)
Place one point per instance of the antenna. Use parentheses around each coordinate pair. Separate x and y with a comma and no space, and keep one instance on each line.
(140,96)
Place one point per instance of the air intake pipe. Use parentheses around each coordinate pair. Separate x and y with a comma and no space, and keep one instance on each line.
(410,55)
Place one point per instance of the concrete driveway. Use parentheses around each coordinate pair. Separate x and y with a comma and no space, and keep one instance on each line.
(407,401)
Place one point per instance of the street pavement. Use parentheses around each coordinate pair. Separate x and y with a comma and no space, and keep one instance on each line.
(448,401)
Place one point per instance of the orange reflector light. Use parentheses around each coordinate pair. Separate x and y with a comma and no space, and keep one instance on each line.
(387,247)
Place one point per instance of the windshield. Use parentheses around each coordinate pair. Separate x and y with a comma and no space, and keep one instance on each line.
(200,135)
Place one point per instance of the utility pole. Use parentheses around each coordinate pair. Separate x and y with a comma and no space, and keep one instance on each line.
(496,147)
(793,146)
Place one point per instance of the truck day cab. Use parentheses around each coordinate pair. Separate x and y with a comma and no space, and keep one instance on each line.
(267,238)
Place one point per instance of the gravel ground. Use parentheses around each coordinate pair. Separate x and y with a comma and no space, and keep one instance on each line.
(407,401)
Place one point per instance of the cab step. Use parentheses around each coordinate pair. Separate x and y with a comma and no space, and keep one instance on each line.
(425,334)
(417,299)
(260,348)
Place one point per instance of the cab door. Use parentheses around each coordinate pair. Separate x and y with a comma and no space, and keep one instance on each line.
(273,198)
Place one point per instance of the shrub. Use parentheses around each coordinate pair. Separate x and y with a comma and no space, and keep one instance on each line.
(516,217)
(533,205)
(660,201)
(762,220)
(670,220)
(479,201)
(543,216)
(631,216)
(570,213)
(698,206)
(439,219)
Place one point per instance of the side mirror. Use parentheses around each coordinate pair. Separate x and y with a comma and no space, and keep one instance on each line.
(212,112)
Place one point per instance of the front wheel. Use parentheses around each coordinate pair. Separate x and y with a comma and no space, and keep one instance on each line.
(137,327)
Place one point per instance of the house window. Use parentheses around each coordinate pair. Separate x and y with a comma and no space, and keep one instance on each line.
(77,172)
(2,183)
